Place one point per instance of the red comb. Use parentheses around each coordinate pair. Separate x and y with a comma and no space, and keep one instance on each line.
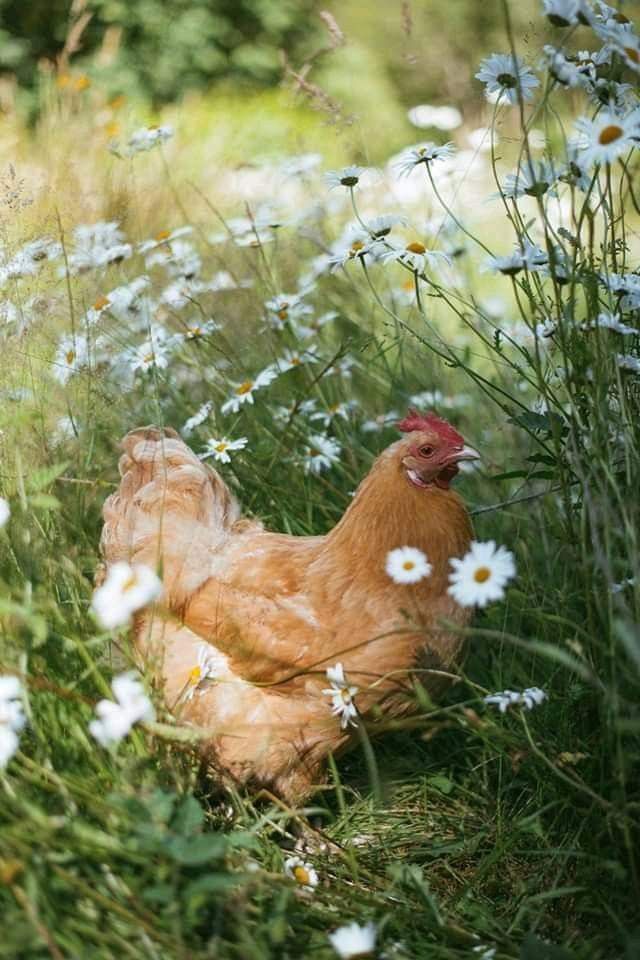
(429,421)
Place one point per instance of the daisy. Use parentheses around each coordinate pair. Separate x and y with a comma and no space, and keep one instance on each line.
(341,410)
(442,118)
(146,138)
(12,718)
(196,330)
(321,453)
(416,256)
(348,177)
(357,247)
(72,355)
(97,245)
(562,13)
(243,392)
(198,417)
(607,136)
(150,354)
(381,226)
(425,153)
(407,565)
(5,511)
(116,718)
(353,941)
(303,873)
(163,238)
(626,361)
(204,670)
(296,358)
(612,321)
(503,75)
(530,182)
(342,694)
(126,589)
(219,449)
(529,698)
(285,308)
(380,422)
(481,575)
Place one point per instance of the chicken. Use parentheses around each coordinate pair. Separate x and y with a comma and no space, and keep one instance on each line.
(250,620)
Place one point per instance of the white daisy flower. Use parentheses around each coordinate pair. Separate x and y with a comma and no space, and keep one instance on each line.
(481,575)
(530,258)
(562,13)
(5,511)
(612,321)
(503,74)
(198,330)
(626,361)
(311,327)
(529,698)
(382,226)
(348,177)
(416,256)
(605,137)
(205,669)
(198,417)
(407,565)
(71,356)
(623,584)
(146,138)
(126,589)
(442,118)
(97,245)
(380,422)
(333,411)
(286,308)
(243,392)
(152,353)
(353,941)
(116,718)
(302,872)
(530,182)
(12,718)
(358,246)
(291,359)
(342,694)
(163,238)
(220,449)
(425,153)
(27,261)
(321,453)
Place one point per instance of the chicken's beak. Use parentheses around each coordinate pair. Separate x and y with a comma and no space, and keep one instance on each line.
(466,453)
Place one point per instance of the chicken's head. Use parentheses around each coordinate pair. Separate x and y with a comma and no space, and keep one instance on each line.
(432,450)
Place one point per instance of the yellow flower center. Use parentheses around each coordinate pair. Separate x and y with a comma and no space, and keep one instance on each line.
(283,314)
(162,235)
(408,565)
(482,574)
(117,102)
(346,695)
(148,358)
(70,356)
(81,83)
(112,129)
(245,387)
(633,54)
(295,361)
(356,246)
(313,452)
(416,247)
(195,675)
(221,447)
(101,303)
(610,134)
(408,285)
(334,408)
(130,583)
(302,875)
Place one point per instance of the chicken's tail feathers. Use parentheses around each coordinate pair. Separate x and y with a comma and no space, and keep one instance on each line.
(171,510)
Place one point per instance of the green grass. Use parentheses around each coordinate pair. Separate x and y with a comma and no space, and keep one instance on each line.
(461,827)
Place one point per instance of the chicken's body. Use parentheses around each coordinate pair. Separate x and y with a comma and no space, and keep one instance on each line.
(278,610)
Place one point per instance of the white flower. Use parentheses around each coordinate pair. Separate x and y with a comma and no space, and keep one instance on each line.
(341,410)
(356,246)
(381,226)
(71,356)
(529,698)
(197,330)
(481,575)
(380,422)
(321,453)
(532,182)
(243,392)
(626,361)
(531,258)
(146,138)
(407,565)
(347,177)
(296,358)
(342,694)
(353,941)
(303,873)
(28,260)
(606,136)
(205,669)
(126,589)
(503,74)
(286,307)
(623,584)
(97,245)
(163,238)
(115,719)
(416,256)
(198,417)
(562,13)
(152,353)
(5,511)
(442,118)
(424,153)
(612,321)
(219,449)
(12,718)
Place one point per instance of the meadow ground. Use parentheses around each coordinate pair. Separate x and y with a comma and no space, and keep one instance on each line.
(143,286)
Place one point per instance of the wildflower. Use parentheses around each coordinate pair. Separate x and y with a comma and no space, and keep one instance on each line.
(530,257)
(607,136)
(12,718)
(416,256)
(126,589)
(532,182)
(504,74)
(205,668)
(356,247)
(622,585)
(303,873)
(152,353)
(286,307)
(72,354)
(116,718)
(442,118)
(311,328)
(321,454)
(198,417)
(197,330)
(219,449)
(124,302)
(243,392)
(163,238)
(381,226)
(5,511)
(425,153)
(146,138)
(562,13)
(348,177)
(407,565)
(353,941)
(612,321)
(529,698)
(380,422)
(28,260)
(626,361)
(342,694)
(341,410)
(296,358)
(481,575)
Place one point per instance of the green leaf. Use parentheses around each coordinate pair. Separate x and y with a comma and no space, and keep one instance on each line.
(441,783)
(534,949)
(193,850)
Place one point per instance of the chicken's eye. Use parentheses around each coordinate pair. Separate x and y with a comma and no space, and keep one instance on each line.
(425,451)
